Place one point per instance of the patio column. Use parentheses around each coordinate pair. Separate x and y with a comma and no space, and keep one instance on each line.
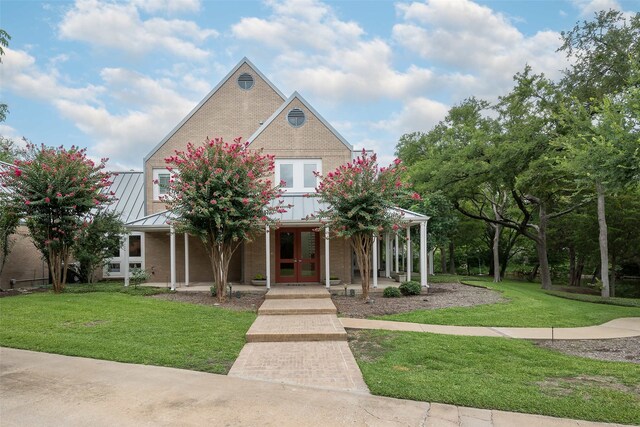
(125,260)
(423,255)
(172,250)
(267,254)
(327,269)
(397,254)
(375,261)
(409,266)
(186,259)
(387,255)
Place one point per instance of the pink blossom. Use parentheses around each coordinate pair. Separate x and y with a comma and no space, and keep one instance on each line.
(27,202)
(416,196)
(47,200)
(18,172)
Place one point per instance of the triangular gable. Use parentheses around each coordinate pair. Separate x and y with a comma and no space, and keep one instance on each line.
(243,61)
(304,102)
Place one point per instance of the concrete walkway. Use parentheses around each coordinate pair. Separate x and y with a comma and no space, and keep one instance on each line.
(298,339)
(40,389)
(617,328)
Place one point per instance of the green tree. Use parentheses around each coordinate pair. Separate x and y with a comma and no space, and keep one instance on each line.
(9,150)
(221,193)
(8,223)
(99,238)
(4,42)
(360,197)
(54,189)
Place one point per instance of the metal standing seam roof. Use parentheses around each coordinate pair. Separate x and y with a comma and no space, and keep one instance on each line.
(128,188)
(4,167)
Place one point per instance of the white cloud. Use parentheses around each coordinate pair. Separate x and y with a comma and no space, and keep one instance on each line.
(169,6)
(418,114)
(119,26)
(13,134)
(588,7)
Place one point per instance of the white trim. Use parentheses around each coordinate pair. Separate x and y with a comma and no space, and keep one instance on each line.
(423,255)
(172,255)
(409,266)
(124,259)
(156,186)
(327,270)
(298,166)
(374,255)
(267,254)
(186,259)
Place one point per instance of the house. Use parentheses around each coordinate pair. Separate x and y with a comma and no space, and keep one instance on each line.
(246,104)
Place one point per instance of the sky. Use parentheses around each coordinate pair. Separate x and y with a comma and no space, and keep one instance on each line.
(117,76)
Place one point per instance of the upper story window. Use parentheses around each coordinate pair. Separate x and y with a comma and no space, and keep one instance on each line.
(298,174)
(245,81)
(296,117)
(161,179)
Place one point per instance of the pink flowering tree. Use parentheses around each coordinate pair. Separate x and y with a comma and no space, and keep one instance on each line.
(222,193)
(359,198)
(54,190)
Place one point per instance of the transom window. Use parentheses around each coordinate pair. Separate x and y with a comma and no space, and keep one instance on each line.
(245,81)
(296,117)
(298,174)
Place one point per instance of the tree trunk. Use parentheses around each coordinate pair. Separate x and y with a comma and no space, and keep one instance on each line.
(541,248)
(362,244)
(533,273)
(496,253)
(579,270)
(443,259)
(572,265)
(452,258)
(604,249)
(220,255)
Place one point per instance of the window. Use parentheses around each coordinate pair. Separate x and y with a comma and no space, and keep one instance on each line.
(161,180)
(245,81)
(135,246)
(115,267)
(298,174)
(296,117)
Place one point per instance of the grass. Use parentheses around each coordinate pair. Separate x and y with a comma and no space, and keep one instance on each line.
(624,302)
(497,373)
(526,306)
(115,326)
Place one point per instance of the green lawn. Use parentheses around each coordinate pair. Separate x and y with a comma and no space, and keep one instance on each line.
(496,373)
(527,306)
(125,328)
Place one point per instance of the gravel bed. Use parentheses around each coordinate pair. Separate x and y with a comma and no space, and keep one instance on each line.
(614,349)
(247,301)
(440,295)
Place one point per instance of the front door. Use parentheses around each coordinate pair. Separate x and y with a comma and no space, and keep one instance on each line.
(297,252)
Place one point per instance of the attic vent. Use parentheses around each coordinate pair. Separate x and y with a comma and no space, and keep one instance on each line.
(296,117)
(245,81)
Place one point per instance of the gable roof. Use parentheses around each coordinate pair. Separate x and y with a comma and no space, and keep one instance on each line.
(243,61)
(128,189)
(304,102)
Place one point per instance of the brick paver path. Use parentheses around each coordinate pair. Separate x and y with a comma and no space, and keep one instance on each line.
(298,339)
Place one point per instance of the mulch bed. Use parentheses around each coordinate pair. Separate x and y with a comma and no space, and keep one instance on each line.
(21,291)
(614,349)
(247,300)
(440,295)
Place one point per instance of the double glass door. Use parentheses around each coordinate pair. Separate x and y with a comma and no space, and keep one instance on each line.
(297,255)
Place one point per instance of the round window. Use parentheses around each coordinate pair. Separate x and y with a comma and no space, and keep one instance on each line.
(296,117)
(245,81)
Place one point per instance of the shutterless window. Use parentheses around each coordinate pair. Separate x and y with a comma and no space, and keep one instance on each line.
(309,177)
(163,183)
(135,246)
(245,81)
(286,174)
(296,117)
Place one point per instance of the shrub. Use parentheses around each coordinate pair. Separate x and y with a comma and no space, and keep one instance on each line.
(214,291)
(410,288)
(391,292)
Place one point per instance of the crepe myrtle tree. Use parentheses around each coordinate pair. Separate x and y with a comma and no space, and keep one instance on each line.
(222,193)
(359,197)
(54,190)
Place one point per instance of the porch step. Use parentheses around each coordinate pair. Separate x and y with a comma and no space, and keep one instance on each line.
(298,306)
(286,328)
(297,292)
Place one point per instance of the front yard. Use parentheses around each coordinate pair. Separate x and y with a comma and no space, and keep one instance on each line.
(125,328)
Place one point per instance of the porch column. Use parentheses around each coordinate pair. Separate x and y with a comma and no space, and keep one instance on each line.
(387,255)
(409,266)
(397,254)
(125,259)
(327,270)
(423,254)
(172,249)
(375,261)
(267,254)
(186,259)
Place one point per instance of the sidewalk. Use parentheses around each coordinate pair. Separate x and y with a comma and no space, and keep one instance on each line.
(41,389)
(617,328)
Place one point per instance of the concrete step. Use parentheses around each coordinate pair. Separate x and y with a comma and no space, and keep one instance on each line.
(297,292)
(298,306)
(285,328)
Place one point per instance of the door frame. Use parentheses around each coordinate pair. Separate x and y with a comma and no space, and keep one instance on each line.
(297,250)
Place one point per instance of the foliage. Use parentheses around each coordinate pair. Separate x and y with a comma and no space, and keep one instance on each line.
(54,189)
(221,193)
(496,373)
(443,220)
(125,328)
(9,150)
(137,276)
(99,238)
(391,292)
(624,302)
(9,220)
(525,305)
(360,197)
(213,290)
(410,288)
(4,42)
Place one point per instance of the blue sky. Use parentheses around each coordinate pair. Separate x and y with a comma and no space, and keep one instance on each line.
(116,77)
